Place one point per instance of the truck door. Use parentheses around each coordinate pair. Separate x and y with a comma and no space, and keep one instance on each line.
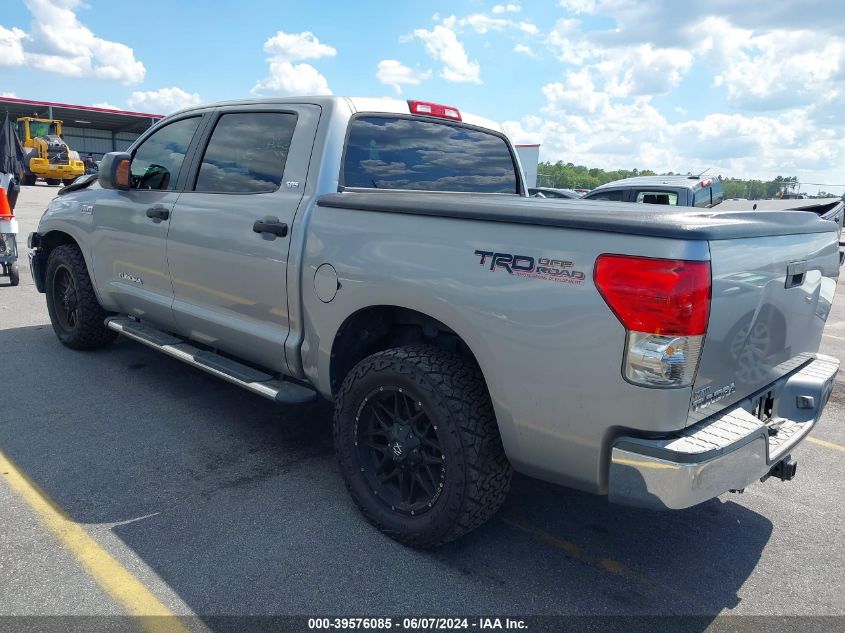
(129,238)
(230,231)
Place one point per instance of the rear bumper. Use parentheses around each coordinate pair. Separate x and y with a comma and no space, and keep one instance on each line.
(726,452)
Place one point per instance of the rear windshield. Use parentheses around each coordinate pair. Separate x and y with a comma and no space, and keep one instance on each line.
(399,153)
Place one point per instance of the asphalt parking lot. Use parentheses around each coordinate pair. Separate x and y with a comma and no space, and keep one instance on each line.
(220,503)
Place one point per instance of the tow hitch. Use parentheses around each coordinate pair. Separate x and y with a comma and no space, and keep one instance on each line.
(784,470)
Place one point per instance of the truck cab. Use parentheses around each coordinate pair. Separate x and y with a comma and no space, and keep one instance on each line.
(681,191)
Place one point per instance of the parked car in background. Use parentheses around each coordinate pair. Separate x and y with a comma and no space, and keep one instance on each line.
(682,191)
(551,192)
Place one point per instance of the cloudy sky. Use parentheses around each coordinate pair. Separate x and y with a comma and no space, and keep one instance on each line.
(749,88)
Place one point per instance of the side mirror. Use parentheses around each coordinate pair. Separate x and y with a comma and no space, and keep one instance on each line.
(114,171)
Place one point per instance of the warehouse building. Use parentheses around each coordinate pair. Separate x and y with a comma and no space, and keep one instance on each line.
(86,129)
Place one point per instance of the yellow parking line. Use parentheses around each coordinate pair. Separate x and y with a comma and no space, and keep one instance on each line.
(109,574)
(570,548)
(836,447)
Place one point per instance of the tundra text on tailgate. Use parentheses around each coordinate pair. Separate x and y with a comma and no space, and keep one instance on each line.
(383,254)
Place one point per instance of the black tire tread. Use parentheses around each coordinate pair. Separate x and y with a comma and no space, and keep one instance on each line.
(92,332)
(459,383)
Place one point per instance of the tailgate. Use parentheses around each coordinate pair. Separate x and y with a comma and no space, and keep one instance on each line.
(770,299)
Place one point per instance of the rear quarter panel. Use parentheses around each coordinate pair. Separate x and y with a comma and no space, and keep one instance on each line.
(551,352)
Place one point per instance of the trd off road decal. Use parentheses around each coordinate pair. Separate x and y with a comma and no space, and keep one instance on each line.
(534,268)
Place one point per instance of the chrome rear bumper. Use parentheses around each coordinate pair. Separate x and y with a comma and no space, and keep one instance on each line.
(725,452)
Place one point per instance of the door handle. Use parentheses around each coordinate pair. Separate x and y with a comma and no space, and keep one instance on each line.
(271,225)
(158,213)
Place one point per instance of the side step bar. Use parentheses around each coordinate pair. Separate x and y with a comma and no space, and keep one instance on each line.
(232,371)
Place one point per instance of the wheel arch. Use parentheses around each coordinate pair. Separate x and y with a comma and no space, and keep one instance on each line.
(43,245)
(379,327)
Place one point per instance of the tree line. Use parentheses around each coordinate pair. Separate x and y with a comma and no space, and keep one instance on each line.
(570,176)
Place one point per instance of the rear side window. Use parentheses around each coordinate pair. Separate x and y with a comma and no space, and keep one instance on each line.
(401,153)
(702,198)
(657,197)
(611,196)
(247,153)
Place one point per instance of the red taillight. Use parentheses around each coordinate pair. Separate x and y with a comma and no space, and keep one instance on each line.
(434,109)
(656,296)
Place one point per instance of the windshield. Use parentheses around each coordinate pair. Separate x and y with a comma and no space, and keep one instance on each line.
(385,152)
(42,128)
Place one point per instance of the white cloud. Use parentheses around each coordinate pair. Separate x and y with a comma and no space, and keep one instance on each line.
(58,42)
(11,95)
(778,69)
(11,47)
(528,27)
(567,43)
(584,125)
(522,49)
(774,74)
(297,47)
(579,6)
(482,23)
(506,8)
(443,45)
(393,73)
(645,70)
(287,77)
(762,56)
(163,100)
(108,106)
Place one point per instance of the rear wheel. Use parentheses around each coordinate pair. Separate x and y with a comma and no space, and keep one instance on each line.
(68,181)
(418,445)
(76,315)
(53,181)
(14,274)
(29,180)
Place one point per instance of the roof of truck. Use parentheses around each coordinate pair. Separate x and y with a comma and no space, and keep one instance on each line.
(355,104)
(682,182)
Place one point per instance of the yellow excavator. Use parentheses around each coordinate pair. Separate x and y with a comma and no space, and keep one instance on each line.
(47,155)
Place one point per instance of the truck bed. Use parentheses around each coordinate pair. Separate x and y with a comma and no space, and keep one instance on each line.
(689,223)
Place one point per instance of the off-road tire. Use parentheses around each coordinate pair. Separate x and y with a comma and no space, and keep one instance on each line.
(453,392)
(14,274)
(89,330)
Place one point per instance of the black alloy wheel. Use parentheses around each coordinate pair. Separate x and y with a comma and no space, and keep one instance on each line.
(418,445)
(399,450)
(65,299)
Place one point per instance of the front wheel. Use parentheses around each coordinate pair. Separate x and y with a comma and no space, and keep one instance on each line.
(418,445)
(53,181)
(75,313)
(29,180)
(14,274)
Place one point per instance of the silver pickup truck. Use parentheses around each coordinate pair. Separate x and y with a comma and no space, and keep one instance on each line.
(384,254)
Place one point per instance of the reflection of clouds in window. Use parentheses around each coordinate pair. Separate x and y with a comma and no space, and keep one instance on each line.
(412,154)
(247,152)
(380,168)
(166,147)
(233,178)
